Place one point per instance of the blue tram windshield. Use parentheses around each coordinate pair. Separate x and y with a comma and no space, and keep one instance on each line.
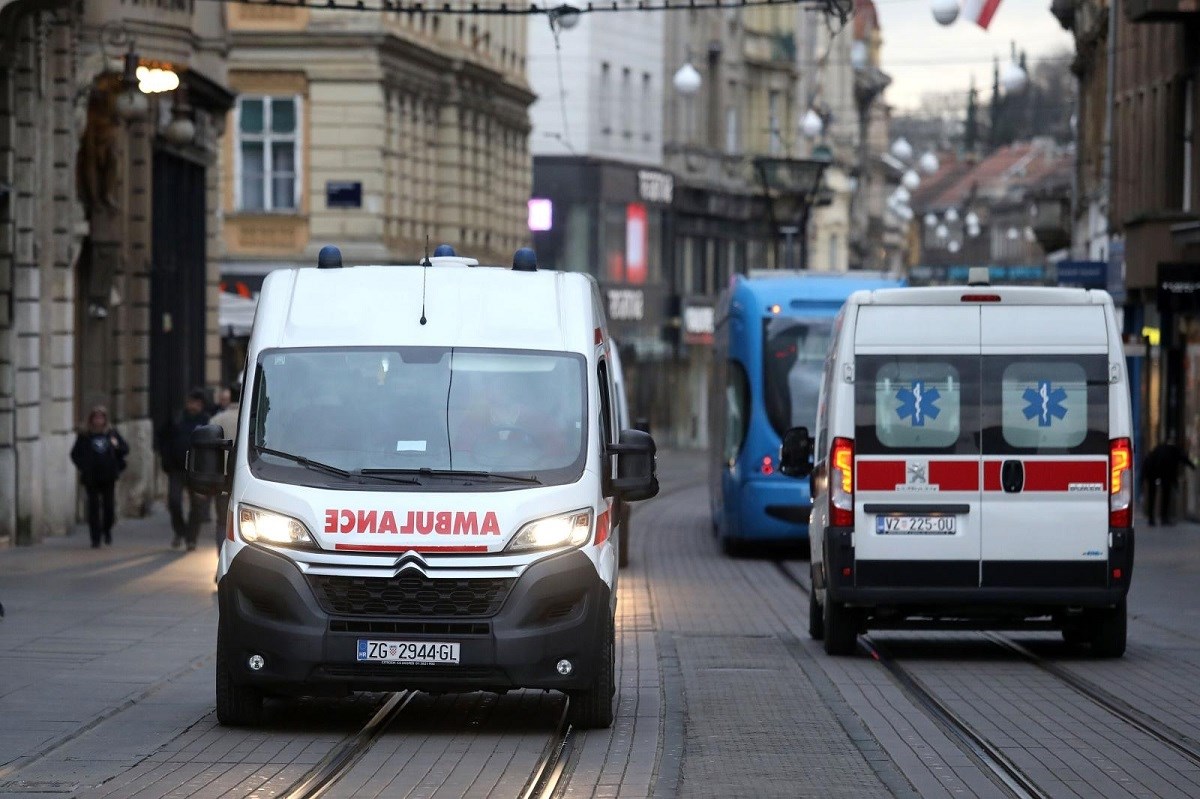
(793,357)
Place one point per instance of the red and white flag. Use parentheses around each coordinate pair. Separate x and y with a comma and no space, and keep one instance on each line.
(980,11)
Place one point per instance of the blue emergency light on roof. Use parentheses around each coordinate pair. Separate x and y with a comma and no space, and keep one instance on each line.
(524,260)
(329,257)
(443,250)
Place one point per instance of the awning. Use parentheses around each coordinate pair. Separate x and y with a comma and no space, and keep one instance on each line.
(236,314)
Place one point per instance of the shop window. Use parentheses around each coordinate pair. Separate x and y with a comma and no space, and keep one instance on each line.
(268,172)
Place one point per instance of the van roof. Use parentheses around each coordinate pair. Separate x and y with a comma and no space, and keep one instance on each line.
(462,306)
(1009,295)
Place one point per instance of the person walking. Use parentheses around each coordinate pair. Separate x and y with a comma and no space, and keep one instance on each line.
(174,441)
(99,455)
(1160,471)
(226,419)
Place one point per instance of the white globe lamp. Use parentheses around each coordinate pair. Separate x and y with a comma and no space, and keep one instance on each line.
(911,180)
(951,215)
(928,163)
(945,11)
(1012,77)
(901,149)
(811,124)
(931,220)
(687,80)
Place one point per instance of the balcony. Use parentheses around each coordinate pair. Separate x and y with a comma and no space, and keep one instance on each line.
(1161,10)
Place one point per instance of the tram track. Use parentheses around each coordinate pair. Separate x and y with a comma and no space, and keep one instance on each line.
(989,758)
(546,778)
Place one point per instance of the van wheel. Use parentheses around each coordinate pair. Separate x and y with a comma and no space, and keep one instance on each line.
(237,705)
(1108,632)
(623,536)
(841,628)
(816,617)
(1074,633)
(592,708)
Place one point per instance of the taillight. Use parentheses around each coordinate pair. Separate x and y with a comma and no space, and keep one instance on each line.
(768,466)
(841,483)
(1120,483)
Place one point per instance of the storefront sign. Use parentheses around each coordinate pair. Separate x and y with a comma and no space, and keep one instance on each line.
(1082,274)
(343,194)
(626,305)
(1179,287)
(656,187)
(637,242)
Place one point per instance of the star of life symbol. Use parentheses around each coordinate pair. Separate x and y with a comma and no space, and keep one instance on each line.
(1045,402)
(918,402)
(915,473)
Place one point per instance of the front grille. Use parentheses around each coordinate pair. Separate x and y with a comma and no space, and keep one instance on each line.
(415,674)
(410,595)
(411,627)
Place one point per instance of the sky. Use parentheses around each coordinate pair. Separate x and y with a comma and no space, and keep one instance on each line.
(923,56)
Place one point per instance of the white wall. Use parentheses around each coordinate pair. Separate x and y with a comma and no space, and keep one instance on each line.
(616,119)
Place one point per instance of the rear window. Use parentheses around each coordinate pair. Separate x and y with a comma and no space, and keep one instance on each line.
(916,404)
(1046,404)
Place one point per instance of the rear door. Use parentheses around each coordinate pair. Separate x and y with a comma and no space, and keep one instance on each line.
(917,487)
(1045,442)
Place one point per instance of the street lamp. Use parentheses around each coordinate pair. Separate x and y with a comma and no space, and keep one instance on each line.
(131,102)
(791,186)
(687,80)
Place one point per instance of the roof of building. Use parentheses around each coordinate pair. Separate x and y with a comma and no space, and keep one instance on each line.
(1008,173)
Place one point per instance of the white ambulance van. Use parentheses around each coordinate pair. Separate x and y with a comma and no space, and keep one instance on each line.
(421,487)
(972,466)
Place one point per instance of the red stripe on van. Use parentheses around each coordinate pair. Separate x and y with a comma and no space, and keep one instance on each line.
(991,476)
(880,475)
(1058,475)
(954,475)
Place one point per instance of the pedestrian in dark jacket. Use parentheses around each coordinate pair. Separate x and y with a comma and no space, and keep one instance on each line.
(226,419)
(174,441)
(1160,471)
(99,454)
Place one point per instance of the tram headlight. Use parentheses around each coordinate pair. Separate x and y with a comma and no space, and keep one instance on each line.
(260,526)
(564,530)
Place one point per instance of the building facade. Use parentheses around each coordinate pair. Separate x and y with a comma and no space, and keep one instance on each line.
(380,132)
(108,218)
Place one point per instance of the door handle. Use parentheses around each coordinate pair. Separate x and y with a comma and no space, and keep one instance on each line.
(1012,477)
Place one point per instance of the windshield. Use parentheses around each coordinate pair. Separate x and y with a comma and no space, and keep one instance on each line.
(793,357)
(432,412)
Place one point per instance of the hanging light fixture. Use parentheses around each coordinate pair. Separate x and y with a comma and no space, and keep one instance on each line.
(928,163)
(811,124)
(687,80)
(902,150)
(945,11)
(911,180)
(181,130)
(951,215)
(931,219)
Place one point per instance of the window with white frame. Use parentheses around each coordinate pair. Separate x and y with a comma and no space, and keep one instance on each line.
(268,169)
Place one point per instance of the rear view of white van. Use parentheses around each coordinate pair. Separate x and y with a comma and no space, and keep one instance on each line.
(972,466)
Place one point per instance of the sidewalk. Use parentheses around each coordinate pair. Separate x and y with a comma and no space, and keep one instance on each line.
(87,632)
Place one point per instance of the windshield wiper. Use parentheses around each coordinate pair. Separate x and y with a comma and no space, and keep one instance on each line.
(427,472)
(327,468)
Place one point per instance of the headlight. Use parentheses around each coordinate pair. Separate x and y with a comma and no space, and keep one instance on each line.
(266,527)
(567,529)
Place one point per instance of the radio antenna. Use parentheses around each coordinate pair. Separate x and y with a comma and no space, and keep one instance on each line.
(425,262)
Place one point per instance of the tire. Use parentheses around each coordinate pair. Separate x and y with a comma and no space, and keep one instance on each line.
(816,615)
(1073,633)
(592,708)
(237,705)
(1108,630)
(623,538)
(841,628)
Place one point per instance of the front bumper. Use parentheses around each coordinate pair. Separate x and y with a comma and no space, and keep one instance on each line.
(555,610)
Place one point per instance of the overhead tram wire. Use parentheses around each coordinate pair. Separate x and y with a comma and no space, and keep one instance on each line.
(841,9)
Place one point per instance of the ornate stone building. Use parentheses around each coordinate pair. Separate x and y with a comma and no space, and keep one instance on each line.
(107,224)
(374,131)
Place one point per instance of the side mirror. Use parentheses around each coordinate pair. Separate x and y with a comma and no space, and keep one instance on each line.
(636,477)
(795,456)
(642,423)
(207,471)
